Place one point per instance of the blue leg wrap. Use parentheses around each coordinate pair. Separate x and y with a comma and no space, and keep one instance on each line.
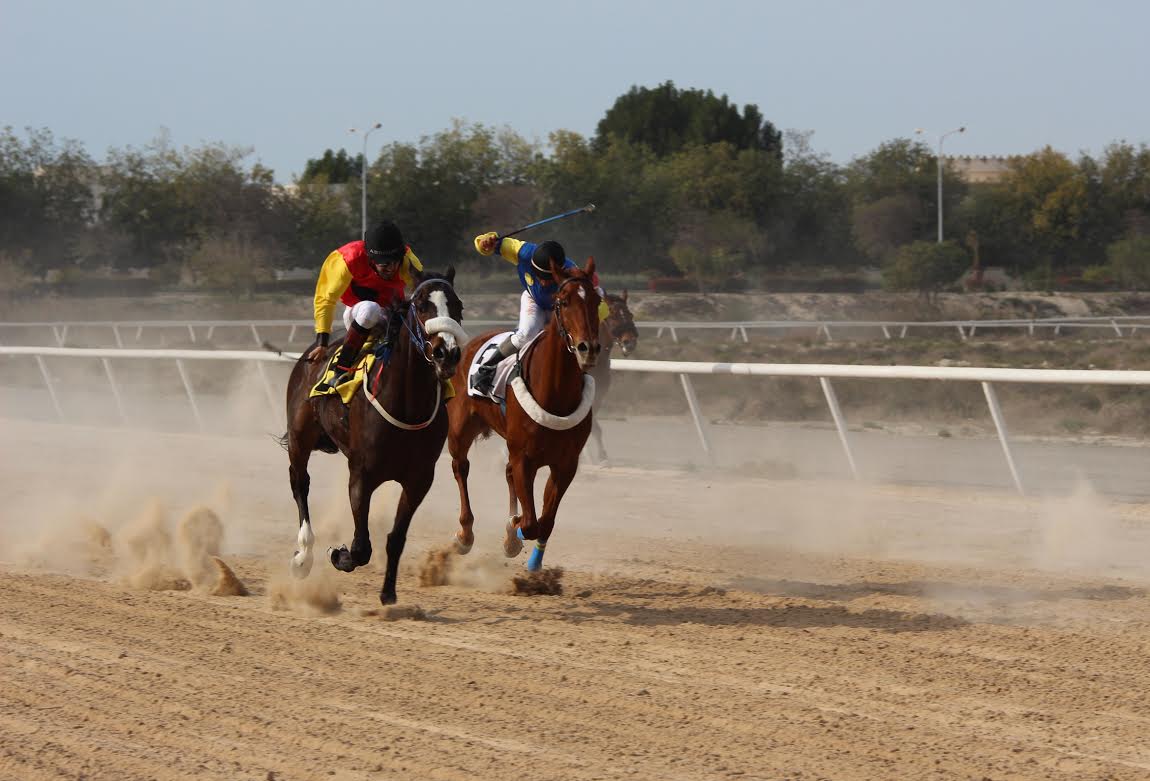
(535,560)
(519,534)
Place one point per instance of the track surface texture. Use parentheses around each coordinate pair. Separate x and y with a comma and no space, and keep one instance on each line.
(711,625)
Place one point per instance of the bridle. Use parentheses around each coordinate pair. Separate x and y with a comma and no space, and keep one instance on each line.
(418,334)
(568,342)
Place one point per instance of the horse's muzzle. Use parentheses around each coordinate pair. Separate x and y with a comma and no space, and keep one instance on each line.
(446,359)
(587,354)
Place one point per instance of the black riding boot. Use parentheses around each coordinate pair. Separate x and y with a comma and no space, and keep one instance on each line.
(484,379)
(345,361)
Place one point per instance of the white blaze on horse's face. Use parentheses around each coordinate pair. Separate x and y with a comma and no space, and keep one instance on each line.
(439,298)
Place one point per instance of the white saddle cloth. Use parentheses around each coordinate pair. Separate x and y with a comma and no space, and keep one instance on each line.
(502,371)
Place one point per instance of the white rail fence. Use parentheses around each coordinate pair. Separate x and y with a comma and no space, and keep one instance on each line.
(203,331)
(824,373)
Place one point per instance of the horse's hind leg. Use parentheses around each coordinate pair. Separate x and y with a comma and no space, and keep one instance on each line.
(360,488)
(458,445)
(557,483)
(513,501)
(409,501)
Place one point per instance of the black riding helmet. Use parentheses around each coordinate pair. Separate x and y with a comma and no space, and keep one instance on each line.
(384,243)
(545,253)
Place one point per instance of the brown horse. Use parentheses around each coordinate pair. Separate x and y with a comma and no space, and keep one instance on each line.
(618,329)
(397,436)
(547,420)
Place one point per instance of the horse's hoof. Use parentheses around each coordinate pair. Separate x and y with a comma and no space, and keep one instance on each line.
(301,565)
(387,598)
(341,559)
(512,545)
(461,547)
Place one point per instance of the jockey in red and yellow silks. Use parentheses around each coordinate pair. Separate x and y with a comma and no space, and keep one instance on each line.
(368,277)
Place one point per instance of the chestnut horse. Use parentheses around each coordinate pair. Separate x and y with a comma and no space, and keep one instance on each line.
(618,329)
(397,436)
(547,420)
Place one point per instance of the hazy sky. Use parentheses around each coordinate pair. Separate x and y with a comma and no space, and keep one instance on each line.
(288,78)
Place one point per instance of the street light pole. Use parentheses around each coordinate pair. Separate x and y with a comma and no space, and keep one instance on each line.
(363,177)
(941,138)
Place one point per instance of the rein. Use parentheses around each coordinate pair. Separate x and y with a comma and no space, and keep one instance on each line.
(418,336)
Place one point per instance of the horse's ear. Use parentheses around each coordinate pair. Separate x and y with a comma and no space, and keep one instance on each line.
(450,274)
(624,295)
(590,266)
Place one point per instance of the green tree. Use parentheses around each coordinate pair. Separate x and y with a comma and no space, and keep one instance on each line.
(46,195)
(810,223)
(167,200)
(1129,261)
(431,189)
(667,119)
(894,192)
(1048,202)
(925,266)
(334,167)
(714,247)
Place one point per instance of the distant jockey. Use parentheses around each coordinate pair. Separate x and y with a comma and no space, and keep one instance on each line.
(368,276)
(533,262)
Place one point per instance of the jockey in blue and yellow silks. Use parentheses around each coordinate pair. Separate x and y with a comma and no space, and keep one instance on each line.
(533,263)
(368,277)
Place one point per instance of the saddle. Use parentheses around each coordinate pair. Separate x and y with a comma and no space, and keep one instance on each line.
(348,387)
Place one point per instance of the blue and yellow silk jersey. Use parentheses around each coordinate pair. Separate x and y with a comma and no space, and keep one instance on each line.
(519,253)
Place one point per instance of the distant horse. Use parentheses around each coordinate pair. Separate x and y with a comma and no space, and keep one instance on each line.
(547,419)
(396,435)
(618,329)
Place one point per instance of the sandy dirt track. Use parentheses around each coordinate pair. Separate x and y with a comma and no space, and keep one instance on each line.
(711,626)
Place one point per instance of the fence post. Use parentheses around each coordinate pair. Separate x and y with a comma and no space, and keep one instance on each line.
(886,332)
(191,395)
(1117,330)
(116,333)
(115,389)
(291,334)
(696,415)
(961,332)
(256,335)
(1000,425)
(902,333)
(191,333)
(674,336)
(51,389)
(743,331)
(840,424)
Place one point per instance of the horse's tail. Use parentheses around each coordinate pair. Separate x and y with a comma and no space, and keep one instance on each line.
(283,441)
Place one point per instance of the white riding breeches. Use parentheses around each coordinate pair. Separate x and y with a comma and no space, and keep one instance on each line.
(532,320)
(366,314)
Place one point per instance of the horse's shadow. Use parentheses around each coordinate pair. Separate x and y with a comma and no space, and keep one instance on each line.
(782,616)
(943,590)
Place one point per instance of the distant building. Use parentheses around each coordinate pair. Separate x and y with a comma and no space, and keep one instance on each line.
(980,169)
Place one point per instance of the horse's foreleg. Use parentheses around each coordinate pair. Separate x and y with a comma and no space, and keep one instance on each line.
(524,526)
(557,484)
(409,502)
(359,491)
(300,483)
(459,446)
